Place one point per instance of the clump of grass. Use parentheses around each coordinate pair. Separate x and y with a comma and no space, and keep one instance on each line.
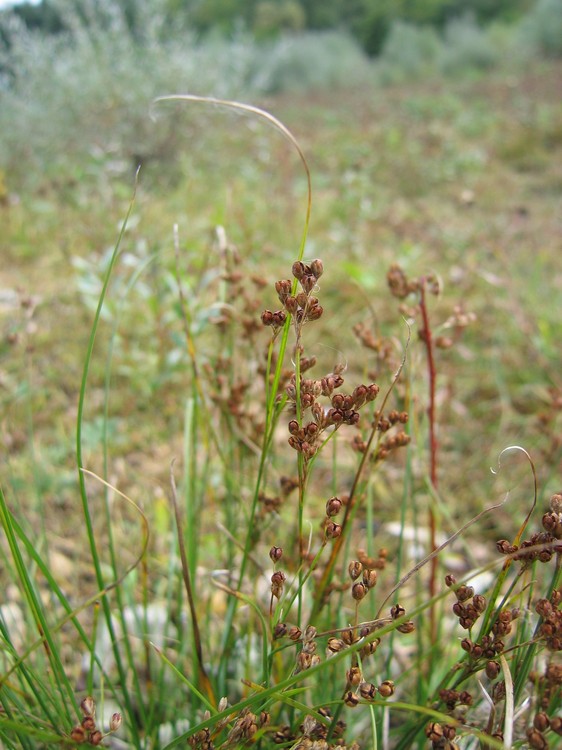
(286,618)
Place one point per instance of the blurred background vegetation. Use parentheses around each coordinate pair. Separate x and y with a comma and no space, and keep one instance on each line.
(78,73)
(433,130)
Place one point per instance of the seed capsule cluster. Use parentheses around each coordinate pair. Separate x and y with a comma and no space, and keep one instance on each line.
(541,546)
(87,731)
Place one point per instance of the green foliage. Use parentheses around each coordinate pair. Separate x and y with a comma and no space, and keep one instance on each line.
(370,21)
(409,53)
(467,47)
(179,369)
(542,28)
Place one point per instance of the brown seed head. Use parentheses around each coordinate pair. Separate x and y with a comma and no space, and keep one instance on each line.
(434,732)
(386,688)
(275,554)
(492,670)
(317,267)
(406,627)
(348,636)
(536,740)
(95,737)
(315,312)
(479,603)
(350,699)
(88,706)
(333,506)
(333,530)
(397,611)
(464,593)
(354,569)
(294,633)
(397,282)
(308,282)
(353,676)
(78,735)
(267,318)
(335,645)
(541,721)
(298,269)
(367,691)
(88,723)
(359,591)
(115,722)
(556,503)
(370,578)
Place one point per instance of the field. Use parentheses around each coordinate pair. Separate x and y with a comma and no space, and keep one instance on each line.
(458,184)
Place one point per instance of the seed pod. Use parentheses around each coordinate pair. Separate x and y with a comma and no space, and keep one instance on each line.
(283,289)
(370,648)
(354,569)
(333,506)
(348,637)
(78,735)
(450,580)
(335,645)
(434,731)
(367,691)
(556,502)
(277,583)
(397,611)
(333,530)
(449,731)
(492,670)
(294,633)
(479,603)
(279,630)
(315,312)
(536,740)
(298,269)
(88,706)
(279,318)
(372,391)
(308,282)
(358,591)
(464,593)
(353,676)
(317,267)
(370,578)
(267,318)
(275,554)
(406,627)
(541,721)
(95,737)
(116,721)
(386,688)
(88,723)
(350,699)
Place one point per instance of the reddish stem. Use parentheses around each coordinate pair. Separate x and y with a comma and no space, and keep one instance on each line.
(428,341)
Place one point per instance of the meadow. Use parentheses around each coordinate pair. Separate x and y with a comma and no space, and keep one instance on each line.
(251,397)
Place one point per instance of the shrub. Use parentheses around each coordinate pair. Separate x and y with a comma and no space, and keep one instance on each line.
(467,47)
(409,52)
(542,28)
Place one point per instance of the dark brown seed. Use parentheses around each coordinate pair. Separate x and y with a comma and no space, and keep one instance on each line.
(359,591)
(354,569)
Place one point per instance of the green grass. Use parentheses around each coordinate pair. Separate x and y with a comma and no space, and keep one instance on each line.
(145,342)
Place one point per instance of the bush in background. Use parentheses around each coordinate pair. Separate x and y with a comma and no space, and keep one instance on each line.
(542,28)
